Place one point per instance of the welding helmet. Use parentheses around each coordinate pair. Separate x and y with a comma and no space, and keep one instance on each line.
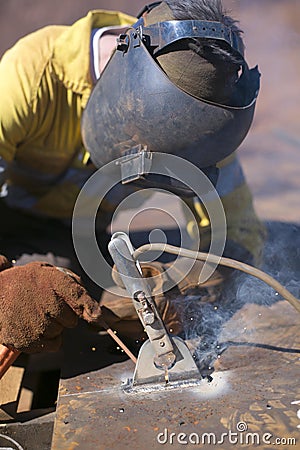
(136,109)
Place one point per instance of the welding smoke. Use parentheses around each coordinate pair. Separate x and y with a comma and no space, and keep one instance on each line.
(204,322)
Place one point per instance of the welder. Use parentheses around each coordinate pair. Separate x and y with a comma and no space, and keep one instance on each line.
(47,155)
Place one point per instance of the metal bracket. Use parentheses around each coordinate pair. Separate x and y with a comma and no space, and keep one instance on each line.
(135,164)
(123,42)
(148,371)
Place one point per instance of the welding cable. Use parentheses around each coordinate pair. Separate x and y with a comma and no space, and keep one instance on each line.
(228,262)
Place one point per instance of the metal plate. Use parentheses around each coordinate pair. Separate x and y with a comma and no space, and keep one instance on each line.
(254,391)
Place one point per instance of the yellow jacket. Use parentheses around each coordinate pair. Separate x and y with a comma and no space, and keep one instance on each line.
(45,83)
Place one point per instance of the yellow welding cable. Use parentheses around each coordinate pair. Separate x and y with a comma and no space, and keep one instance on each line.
(228,262)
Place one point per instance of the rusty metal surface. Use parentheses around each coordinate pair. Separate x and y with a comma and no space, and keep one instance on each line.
(252,391)
(255,385)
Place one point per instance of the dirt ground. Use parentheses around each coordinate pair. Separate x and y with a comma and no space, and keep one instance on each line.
(270,153)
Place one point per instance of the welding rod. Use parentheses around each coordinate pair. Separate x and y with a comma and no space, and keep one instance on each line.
(118,341)
(8,355)
(7,358)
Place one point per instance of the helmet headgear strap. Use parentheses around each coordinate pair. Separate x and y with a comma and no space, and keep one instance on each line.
(147,8)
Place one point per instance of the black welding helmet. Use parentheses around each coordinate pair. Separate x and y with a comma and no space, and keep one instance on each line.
(136,109)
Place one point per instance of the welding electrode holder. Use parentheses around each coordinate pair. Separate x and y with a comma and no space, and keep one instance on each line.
(162,358)
(121,251)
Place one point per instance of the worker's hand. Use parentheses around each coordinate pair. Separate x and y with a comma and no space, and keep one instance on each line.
(169,285)
(37,301)
(181,278)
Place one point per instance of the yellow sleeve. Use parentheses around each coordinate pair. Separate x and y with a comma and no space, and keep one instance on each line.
(15,114)
(21,70)
(245,232)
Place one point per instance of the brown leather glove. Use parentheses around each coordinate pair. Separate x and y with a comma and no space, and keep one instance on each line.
(169,289)
(37,301)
